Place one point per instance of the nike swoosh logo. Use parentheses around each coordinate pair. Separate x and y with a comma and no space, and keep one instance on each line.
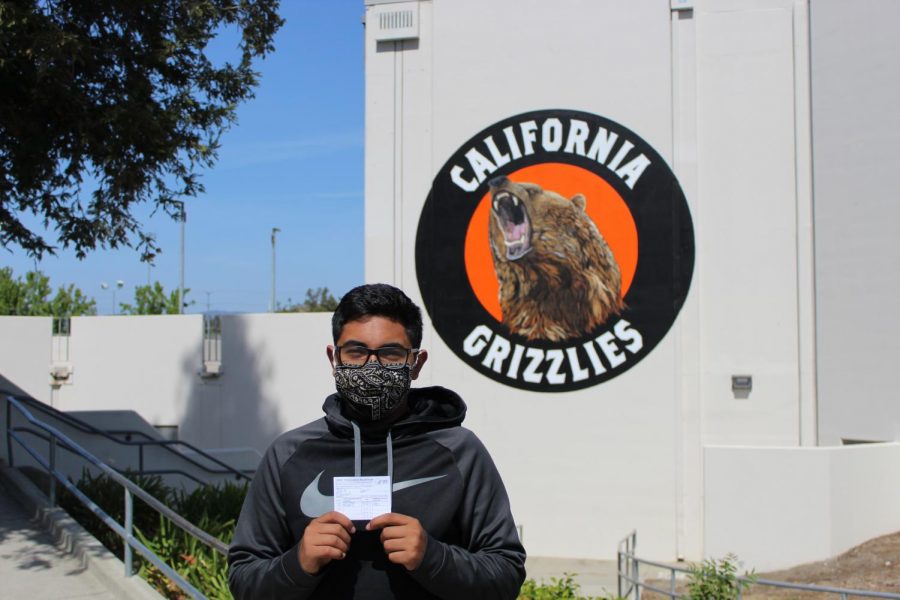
(402,485)
(314,503)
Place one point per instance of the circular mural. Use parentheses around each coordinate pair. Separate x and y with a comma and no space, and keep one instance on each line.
(554,250)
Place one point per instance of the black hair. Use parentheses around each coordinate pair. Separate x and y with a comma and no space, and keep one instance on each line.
(378,300)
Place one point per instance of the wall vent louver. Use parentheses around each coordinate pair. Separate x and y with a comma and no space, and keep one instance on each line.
(398,19)
(395,21)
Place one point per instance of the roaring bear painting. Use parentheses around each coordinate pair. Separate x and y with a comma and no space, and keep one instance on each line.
(558,277)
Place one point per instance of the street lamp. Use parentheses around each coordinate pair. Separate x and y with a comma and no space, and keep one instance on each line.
(275,230)
(182,216)
(118,286)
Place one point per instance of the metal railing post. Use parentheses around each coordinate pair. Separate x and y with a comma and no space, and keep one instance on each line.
(129,530)
(619,572)
(672,584)
(637,581)
(51,470)
(635,565)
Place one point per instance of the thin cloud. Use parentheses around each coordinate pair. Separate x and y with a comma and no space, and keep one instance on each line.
(243,154)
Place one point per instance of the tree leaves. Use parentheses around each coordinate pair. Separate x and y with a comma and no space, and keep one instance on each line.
(122,96)
(317,300)
(31,297)
(153,300)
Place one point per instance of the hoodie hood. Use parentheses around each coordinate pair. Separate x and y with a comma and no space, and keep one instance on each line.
(429,409)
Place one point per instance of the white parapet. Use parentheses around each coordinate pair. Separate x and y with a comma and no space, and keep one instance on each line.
(779,507)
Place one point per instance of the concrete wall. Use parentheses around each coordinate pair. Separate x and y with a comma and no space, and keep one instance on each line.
(855,75)
(144,363)
(275,373)
(276,376)
(25,354)
(776,507)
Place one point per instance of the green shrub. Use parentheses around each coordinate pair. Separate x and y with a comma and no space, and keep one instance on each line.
(717,580)
(203,567)
(219,503)
(214,509)
(110,497)
(564,588)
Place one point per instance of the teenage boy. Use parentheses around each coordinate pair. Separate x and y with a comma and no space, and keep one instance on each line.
(447,531)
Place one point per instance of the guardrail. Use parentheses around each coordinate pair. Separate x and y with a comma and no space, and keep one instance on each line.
(123,530)
(166,445)
(630,584)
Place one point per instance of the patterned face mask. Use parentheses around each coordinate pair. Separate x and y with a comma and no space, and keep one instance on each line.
(375,391)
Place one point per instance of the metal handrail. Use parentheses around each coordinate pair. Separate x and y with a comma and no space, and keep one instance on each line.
(77,423)
(47,438)
(164,444)
(626,557)
(126,531)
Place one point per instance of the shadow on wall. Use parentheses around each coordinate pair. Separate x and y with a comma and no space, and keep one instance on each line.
(234,409)
(8,387)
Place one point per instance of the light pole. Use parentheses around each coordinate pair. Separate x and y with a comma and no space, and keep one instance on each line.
(118,286)
(275,230)
(105,286)
(182,216)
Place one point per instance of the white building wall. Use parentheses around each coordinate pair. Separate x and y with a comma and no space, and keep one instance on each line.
(25,354)
(144,363)
(275,377)
(747,221)
(737,64)
(855,75)
(275,372)
(468,69)
(865,493)
(777,507)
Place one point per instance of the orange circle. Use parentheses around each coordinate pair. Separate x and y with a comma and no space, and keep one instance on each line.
(604,206)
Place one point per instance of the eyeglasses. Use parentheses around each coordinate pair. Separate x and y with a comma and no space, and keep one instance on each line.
(390,357)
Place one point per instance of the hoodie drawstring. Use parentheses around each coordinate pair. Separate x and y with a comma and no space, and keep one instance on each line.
(357,453)
(390,457)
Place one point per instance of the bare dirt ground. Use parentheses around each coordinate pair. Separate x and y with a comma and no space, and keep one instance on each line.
(873,566)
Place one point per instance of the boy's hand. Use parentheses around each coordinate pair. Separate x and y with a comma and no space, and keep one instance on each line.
(325,539)
(403,539)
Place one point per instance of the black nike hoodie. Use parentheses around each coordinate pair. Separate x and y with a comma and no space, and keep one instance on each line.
(442,475)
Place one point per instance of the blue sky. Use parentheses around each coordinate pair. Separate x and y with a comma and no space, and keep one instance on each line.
(294,161)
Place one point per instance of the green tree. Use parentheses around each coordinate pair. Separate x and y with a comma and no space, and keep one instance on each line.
(122,94)
(33,296)
(153,300)
(317,300)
